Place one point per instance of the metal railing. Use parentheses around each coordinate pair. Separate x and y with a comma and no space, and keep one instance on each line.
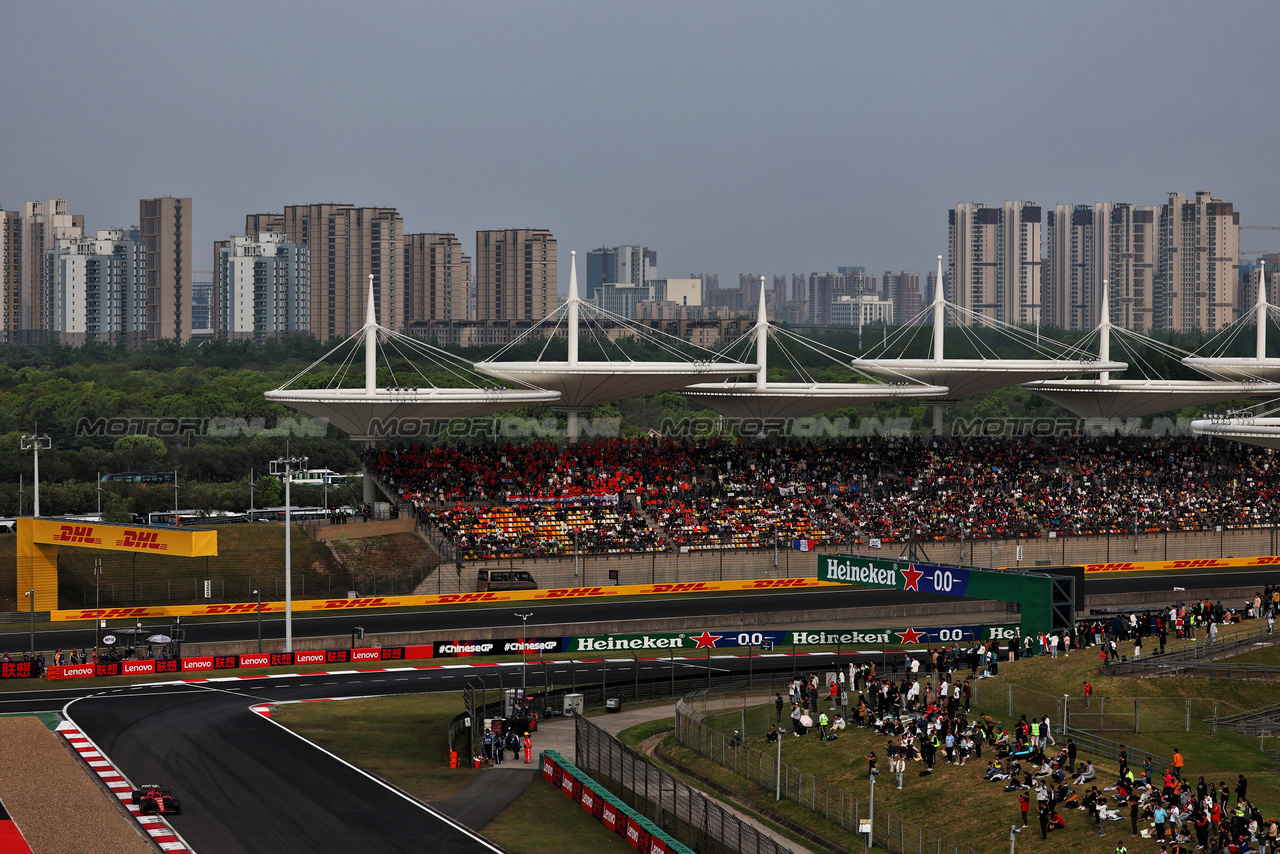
(683,812)
(1182,659)
(836,805)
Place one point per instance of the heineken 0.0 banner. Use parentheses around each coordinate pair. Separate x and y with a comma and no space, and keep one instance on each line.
(895,574)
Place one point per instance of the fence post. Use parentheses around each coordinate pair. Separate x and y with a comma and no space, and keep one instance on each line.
(1136,727)
(1010,687)
(1188,727)
(1215,717)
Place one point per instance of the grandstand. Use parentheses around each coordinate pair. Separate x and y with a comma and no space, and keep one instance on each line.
(620,496)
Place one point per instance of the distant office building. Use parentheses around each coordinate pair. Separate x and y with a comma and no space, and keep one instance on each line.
(98,289)
(902,289)
(262,287)
(203,306)
(994,261)
(437,278)
(621,298)
(636,265)
(165,225)
(1087,244)
(686,292)
(851,310)
(347,244)
(515,274)
(1199,245)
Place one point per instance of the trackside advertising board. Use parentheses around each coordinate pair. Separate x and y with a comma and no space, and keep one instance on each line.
(1032,591)
(650,645)
(494,596)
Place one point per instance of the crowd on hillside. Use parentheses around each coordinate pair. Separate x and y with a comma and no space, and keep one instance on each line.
(726,494)
(922,703)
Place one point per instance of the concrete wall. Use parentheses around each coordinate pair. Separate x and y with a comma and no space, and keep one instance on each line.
(714,565)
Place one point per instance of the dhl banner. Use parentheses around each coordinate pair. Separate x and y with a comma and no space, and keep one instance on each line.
(173,541)
(39,540)
(441,599)
(1181,565)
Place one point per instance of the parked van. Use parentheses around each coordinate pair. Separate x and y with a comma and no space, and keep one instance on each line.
(505,579)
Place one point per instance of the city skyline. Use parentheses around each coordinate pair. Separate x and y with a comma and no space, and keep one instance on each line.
(832,135)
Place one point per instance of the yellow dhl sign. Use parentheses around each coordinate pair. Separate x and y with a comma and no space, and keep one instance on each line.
(174,541)
(1182,565)
(305,605)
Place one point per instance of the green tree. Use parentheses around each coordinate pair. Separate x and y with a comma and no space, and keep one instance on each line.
(140,453)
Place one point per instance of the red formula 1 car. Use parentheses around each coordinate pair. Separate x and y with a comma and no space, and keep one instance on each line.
(153,799)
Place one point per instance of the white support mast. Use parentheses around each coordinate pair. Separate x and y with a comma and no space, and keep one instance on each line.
(762,341)
(1262,309)
(1104,332)
(370,345)
(939,314)
(572,305)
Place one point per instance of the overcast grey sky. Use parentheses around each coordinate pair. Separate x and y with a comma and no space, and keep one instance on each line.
(729,136)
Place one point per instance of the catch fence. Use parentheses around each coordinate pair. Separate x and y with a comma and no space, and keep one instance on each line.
(852,813)
(683,812)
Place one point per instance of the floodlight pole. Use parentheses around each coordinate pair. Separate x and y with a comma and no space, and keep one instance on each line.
(35,444)
(97,599)
(524,650)
(31,594)
(285,466)
(258,593)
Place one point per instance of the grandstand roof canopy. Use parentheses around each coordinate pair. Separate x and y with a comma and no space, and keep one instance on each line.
(368,411)
(1105,397)
(763,399)
(584,384)
(965,377)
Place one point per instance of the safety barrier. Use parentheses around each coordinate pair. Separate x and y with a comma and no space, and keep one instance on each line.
(640,833)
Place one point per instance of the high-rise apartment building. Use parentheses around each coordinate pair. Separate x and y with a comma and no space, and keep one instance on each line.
(165,225)
(437,278)
(994,261)
(10,272)
(203,305)
(347,244)
(636,265)
(40,226)
(262,287)
(515,274)
(97,289)
(825,289)
(1199,245)
(1087,244)
(903,291)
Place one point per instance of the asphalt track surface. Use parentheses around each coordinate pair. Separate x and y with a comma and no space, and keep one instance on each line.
(716,609)
(248,785)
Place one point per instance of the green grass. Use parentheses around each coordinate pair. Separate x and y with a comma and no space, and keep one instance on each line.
(398,738)
(1269,655)
(957,803)
(401,739)
(544,821)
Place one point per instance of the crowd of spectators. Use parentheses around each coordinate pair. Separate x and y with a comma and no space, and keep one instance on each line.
(722,493)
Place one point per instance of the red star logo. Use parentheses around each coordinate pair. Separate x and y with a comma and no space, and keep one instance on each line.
(910,636)
(912,577)
(706,640)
